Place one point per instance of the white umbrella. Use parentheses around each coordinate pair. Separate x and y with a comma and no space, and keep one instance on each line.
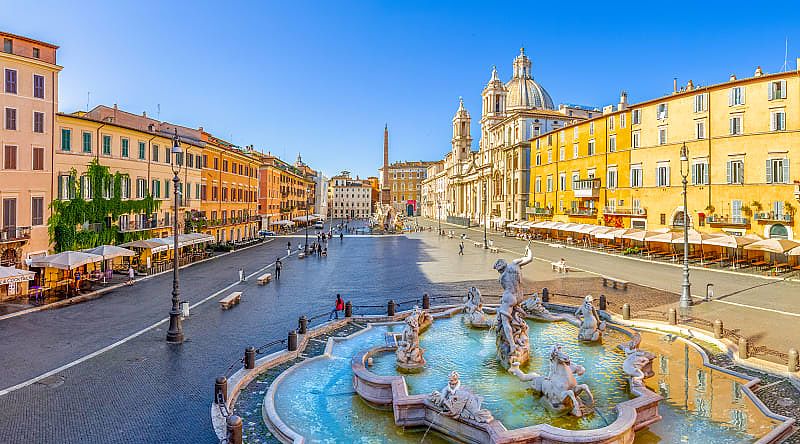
(12,275)
(729,241)
(665,238)
(66,260)
(610,234)
(794,251)
(144,244)
(773,245)
(111,251)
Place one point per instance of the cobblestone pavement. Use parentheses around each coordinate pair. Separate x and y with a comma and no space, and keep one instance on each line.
(762,308)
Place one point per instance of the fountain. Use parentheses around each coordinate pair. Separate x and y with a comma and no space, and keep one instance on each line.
(408,353)
(592,327)
(534,309)
(473,309)
(456,401)
(510,325)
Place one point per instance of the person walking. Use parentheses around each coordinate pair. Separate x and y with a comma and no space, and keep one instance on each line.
(461,248)
(131,274)
(278,267)
(289,248)
(339,306)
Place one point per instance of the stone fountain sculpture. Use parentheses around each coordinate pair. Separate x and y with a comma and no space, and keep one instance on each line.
(534,309)
(424,319)
(473,308)
(456,401)
(559,388)
(510,325)
(591,326)
(638,364)
(409,354)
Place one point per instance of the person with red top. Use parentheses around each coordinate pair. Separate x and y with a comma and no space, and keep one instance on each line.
(339,307)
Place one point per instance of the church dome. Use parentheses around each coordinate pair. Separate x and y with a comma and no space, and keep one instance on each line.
(522,91)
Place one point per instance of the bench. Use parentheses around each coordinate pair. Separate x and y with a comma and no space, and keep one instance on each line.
(264,279)
(230,300)
(615,282)
(478,244)
(494,249)
(559,267)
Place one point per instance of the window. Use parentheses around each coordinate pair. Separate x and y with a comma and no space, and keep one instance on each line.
(700,129)
(11,119)
(777,170)
(125,143)
(611,178)
(736,96)
(549,184)
(167,154)
(538,158)
(38,86)
(205,161)
(37,211)
(166,188)
(662,135)
(562,181)
(735,125)
(549,156)
(562,153)
(777,90)
(622,119)
(142,150)
(9,213)
(106,145)
(635,140)
(636,176)
(11,81)
(736,211)
(661,111)
(699,103)
(537,188)
(611,123)
(591,128)
(735,172)
(10,157)
(38,122)
(777,121)
(36,53)
(8,46)
(156,189)
(225,165)
(636,116)
(574,150)
(154,153)
(85,187)
(662,176)
(700,173)
(612,144)
(87,142)
(591,148)
(141,188)
(66,139)
(38,159)
(65,189)
(575,132)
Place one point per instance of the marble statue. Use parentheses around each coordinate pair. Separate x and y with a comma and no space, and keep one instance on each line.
(510,325)
(474,310)
(456,401)
(638,364)
(559,388)
(534,309)
(592,327)
(424,319)
(409,354)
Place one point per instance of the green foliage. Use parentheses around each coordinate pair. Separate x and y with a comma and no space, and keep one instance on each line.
(76,223)
(631,250)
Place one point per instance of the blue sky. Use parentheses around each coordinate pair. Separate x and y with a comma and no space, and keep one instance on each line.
(323,78)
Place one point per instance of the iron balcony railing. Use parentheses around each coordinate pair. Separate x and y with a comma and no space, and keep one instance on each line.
(13,233)
(727,220)
(625,211)
(772,217)
(581,211)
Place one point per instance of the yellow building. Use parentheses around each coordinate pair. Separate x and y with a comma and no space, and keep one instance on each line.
(229,190)
(743,141)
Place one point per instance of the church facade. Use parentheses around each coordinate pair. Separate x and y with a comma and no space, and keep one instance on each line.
(493,183)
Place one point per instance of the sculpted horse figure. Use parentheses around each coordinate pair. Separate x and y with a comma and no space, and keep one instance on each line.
(592,327)
(559,388)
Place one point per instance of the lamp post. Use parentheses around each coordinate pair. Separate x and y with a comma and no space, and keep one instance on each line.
(305,247)
(175,331)
(439,214)
(686,296)
(485,216)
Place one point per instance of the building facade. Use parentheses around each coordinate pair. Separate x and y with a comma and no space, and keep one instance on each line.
(350,198)
(405,185)
(623,168)
(28,102)
(284,191)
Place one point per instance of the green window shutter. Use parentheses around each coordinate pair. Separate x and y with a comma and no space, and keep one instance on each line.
(60,186)
(87,142)
(125,143)
(107,145)
(142,150)
(65,133)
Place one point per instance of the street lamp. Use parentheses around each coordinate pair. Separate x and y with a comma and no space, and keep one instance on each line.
(485,216)
(175,332)
(439,214)
(686,296)
(305,247)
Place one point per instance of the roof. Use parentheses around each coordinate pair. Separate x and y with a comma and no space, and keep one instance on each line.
(28,39)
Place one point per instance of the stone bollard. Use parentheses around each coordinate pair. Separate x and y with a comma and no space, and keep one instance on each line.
(250,358)
(302,325)
(291,343)
(391,307)
(743,348)
(673,317)
(426,301)
(794,362)
(718,329)
(545,295)
(603,302)
(709,292)
(234,429)
(626,312)
(221,390)
(348,309)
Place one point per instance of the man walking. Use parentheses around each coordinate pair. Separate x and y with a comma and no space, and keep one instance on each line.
(278,267)
(289,248)
(461,248)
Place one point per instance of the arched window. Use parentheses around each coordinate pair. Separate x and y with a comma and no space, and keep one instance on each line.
(778,231)
(678,219)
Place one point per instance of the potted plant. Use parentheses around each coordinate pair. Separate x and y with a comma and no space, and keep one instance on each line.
(710,209)
(790,209)
(747,211)
(756,205)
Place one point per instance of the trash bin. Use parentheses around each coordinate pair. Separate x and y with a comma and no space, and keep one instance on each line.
(185,309)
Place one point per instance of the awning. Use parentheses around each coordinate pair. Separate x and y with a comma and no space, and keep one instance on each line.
(587,228)
(13,275)
(66,260)
(154,247)
(729,241)
(110,251)
(283,223)
(515,224)
(195,238)
(609,234)
(773,245)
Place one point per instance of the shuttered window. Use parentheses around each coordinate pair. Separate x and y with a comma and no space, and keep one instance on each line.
(777,171)
(777,90)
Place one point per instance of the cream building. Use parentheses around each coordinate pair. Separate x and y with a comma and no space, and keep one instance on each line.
(349,198)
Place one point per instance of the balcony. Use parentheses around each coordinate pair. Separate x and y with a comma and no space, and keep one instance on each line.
(726,221)
(586,188)
(14,234)
(629,212)
(540,211)
(772,217)
(137,225)
(581,212)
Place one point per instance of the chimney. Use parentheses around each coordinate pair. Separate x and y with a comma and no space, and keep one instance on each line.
(690,85)
(115,107)
(674,85)
(758,73)
(200,128)
(144,113)
(733,77)
(623,101)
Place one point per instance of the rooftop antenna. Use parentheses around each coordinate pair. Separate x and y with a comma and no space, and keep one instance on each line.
(158,111)
(785,66)
(88,94)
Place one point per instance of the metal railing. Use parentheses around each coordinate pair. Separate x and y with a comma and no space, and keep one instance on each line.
(9,234)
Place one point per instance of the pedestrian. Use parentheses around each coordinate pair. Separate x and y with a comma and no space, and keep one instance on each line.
(131,274)
(289,248)
(337,308)
(461,248)
(341,236)
(241,275)
(278,267)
